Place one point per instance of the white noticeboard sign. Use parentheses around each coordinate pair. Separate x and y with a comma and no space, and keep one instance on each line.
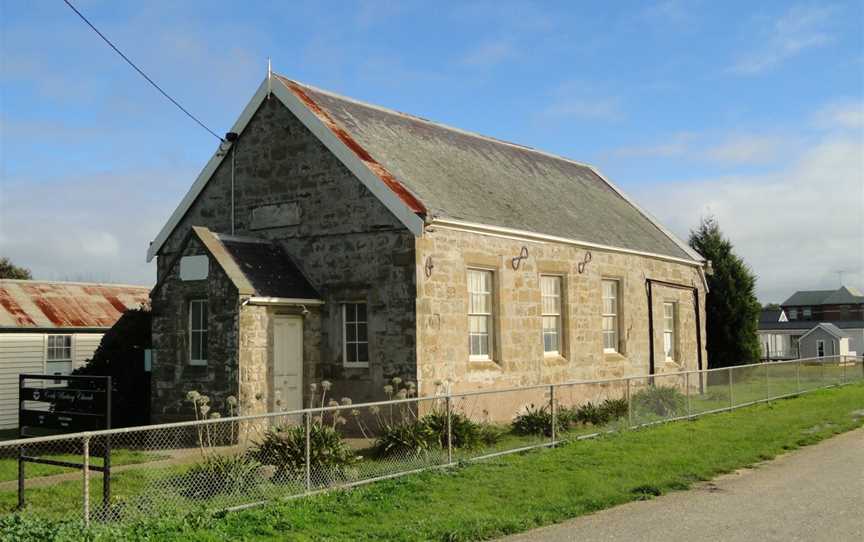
(194,267)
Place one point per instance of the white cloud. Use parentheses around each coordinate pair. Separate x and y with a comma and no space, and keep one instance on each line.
(799,29)
(490,53)
(849,115)
(795,226)
(676,145)
(747,149)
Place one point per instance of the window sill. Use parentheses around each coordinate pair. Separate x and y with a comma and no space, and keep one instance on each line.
(483,365)
(614,356)
(552,360)
(356,365)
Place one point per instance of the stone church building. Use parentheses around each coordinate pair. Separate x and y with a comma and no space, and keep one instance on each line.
(331,239)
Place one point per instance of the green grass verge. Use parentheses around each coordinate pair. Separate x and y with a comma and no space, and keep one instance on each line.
(512,493)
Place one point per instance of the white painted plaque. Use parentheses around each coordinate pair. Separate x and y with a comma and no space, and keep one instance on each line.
(194,267)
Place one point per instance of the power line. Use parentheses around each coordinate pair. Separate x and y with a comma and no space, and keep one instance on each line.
(144,75)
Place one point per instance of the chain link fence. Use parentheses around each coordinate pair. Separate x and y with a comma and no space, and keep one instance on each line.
(234,462)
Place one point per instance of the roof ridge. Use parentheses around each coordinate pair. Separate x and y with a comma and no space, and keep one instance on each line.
(74,283)
(436,123)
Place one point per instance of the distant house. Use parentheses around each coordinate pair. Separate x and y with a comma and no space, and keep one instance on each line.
(824,340)
(780,330)
(53,328)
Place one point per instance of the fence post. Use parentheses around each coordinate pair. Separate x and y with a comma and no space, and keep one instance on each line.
(553,411)
(629,405)
(308,421)
(843,374)
(687,391)
(447,402)
(798,376)
(731,402)
(767,389)
(86,481)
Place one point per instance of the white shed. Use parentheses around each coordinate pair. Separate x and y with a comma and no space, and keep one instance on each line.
(53,328)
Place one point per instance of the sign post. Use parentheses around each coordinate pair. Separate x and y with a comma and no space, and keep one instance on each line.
(59,404)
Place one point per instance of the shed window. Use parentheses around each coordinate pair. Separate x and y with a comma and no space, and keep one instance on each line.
(669,330)
(480,334)
(198,332)
(550,294)
(59,348)
(356,334)
(610,315)
(820,348)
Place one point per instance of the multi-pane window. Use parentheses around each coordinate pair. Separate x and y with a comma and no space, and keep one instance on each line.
(59,348)
(610,315)
(793,314)
(669,310)
(550,295)
(808,313)
(480,335)
(356,334)
(198,332)
(820,349)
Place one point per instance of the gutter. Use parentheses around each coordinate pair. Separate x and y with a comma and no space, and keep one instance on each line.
(280,301)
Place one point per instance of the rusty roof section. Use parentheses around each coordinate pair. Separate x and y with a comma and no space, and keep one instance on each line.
(34,304)
(379,170)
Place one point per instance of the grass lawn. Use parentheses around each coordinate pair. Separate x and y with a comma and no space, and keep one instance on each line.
(9,467)
(512,493)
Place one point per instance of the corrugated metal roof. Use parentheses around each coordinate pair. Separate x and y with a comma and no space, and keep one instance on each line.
(33,304)
(445,172)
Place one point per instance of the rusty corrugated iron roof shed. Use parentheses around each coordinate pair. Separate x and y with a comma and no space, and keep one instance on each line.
(35,304)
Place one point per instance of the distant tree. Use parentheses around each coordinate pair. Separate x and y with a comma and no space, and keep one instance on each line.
(120,355)
(9,270)
(732,310)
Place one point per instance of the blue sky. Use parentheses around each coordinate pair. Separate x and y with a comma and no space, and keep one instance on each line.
(752,112)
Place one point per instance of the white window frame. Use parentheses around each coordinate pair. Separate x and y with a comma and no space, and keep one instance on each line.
(49,348)
(356,342)
(820,345)
(557,313)
(670,329)
(793,314)
(204,332)
(490,315)
(807,312)
(616,316)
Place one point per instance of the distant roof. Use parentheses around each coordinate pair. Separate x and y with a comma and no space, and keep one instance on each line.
(769,315)
(257,267)
(804,325)
(830,328)
(842,295)
(423,171)
(34,304)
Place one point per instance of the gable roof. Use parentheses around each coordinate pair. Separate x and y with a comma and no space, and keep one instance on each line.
(257,267)
(842,295)
(425,171)
(34,304)
(830,328)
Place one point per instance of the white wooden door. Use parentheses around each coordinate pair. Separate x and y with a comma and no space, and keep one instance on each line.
(288,362)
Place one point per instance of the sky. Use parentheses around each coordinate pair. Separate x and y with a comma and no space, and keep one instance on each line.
(749,112)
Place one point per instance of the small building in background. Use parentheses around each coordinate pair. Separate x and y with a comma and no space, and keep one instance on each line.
(53,328)
(824,340)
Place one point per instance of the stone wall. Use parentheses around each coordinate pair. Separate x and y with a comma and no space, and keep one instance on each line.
(519,359)
(172,376)
(291,189)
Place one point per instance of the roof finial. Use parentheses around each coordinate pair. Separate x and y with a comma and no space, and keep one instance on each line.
(269,75)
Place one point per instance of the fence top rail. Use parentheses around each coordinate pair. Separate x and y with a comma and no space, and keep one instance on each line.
(440,397)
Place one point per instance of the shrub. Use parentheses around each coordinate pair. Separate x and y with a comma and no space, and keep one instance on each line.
(591,413)
(409,437)
(218,474)
(284,447)
(614,409)
(660,400)
(464,433)
(536,421)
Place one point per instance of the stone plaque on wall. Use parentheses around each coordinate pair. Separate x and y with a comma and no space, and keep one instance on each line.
(275,216)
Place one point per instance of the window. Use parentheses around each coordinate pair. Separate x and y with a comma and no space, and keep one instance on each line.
(610,315)
(793,314)
(669,310)
(480,333)
(355,334)
(820,349)
(808,312)
(198,332)
(550,296)
(59,348)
